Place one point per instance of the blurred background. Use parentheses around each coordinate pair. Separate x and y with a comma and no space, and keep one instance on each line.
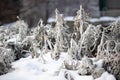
(32,10)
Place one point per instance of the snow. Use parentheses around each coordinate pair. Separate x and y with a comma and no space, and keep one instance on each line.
(77,77)
(71,18)
(105,18)
(50,20)
(11,40)
(106,76)
(67,18)
(34,69)
(10,24)
(74,75)
(99,63)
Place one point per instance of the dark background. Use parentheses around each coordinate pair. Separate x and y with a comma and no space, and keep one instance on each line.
(32,10)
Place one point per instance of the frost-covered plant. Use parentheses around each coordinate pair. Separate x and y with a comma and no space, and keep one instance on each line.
(7,53)
(80,19)
(2,38)
(27,42)
(109,40)
(5,35)
(86,66)
(40,42)
(56,53)
(40,34)
(80,23)
(112,32)
(109,49)
(70,64)
(62,30)
(23,29)
(101,47)
(98,72)
(6,58)
(117,48)
(11,36)
(34,50)
(62,36)
(88,34)
(113,65)
(73,51)
(89,40)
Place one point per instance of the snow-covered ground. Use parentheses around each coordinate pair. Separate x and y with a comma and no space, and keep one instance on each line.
(34,69)
(104,18)
(68,18)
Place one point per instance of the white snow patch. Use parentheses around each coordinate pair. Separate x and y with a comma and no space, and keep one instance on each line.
(105,18)
(106,76)
(99,63)
(71,18)
(50,20)
(33,69)
(67,18)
